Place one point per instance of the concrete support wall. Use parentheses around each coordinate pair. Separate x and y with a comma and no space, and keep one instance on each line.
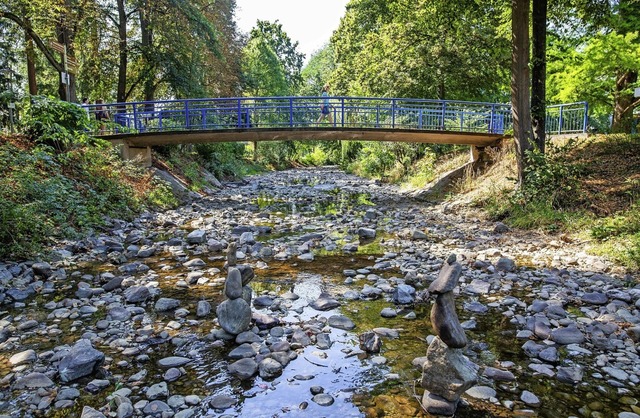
(140,154)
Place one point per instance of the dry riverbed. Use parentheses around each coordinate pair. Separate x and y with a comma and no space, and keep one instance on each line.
(123,323)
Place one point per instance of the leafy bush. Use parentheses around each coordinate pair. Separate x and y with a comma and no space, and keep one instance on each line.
(549,178)
(276,154)
(55,123)
(45,196)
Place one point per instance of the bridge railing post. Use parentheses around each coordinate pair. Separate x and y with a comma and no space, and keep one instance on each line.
(492,118)
(291,112)
(187,122)
(444,115)
(560,119)
(342,107)
(585,119)
(393,113)
(135,118)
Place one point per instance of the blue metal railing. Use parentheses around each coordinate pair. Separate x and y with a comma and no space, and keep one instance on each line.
(347,112)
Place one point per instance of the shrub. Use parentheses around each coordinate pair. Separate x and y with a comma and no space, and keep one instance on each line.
(55,123)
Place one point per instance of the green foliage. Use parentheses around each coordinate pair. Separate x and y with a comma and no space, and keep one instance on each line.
(224,159)
(318,71)
(550,180)
(55,123)
(284,49)
(431,49)
(264,74)
(276,154)
(46,196)
(590,72)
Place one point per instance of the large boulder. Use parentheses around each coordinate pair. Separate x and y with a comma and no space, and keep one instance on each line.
(82,360)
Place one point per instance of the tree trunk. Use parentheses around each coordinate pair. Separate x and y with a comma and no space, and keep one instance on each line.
(122,49)
(147,44)
(31,63)
(623,103)
(520,105)
(539,72)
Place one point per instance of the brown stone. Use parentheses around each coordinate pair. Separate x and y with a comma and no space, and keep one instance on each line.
(447,278)
(445,321)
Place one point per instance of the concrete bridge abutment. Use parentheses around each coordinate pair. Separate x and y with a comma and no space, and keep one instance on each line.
(140,154)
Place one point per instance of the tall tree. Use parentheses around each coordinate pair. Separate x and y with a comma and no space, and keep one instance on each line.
(285,49)
(539,72)
(520,105)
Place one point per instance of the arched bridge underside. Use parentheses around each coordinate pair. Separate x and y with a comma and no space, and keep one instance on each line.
(299,134)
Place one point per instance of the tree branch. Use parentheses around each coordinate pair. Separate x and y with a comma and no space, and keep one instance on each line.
(41,46)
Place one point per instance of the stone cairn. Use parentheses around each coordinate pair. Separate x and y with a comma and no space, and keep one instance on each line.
(234,314)
(447,373)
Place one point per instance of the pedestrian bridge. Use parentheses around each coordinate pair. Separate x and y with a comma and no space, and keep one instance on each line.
(140,125)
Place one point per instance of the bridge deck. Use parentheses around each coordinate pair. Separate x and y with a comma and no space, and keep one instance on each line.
(296,134)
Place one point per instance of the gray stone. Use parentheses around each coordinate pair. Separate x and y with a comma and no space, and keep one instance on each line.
(166,304)
(248,337)
(222,402)
(245,350)
(33,381)
(82,360)
(370,342)
(447,278)
(404,294)
(323,341)
(300,338)
(529,398)
(232,257)
(595,298)
(43,270)
(437,405)
(156,408)
(445,322)
(197,237)
(341,322)
(173,361)
(366,233)
(89,412)
(172,375)
(446,371)
(568,335)
(203,309)
(113,284)
(550,355)
(137,294)
(475,307)
(478,287)
(506,265)
(158,391)
(119,313)
(388,313)
(269,369)
(233,284)
(481,392)
(234,316)
(571,375)
(27,356)
(244,368)
(262,302)
(497,374)
(324,303)
(323,399)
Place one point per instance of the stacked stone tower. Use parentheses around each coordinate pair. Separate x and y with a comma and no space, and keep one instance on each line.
(447,373)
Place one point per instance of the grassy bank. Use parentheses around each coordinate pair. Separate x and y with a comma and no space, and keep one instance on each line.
(586,188)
